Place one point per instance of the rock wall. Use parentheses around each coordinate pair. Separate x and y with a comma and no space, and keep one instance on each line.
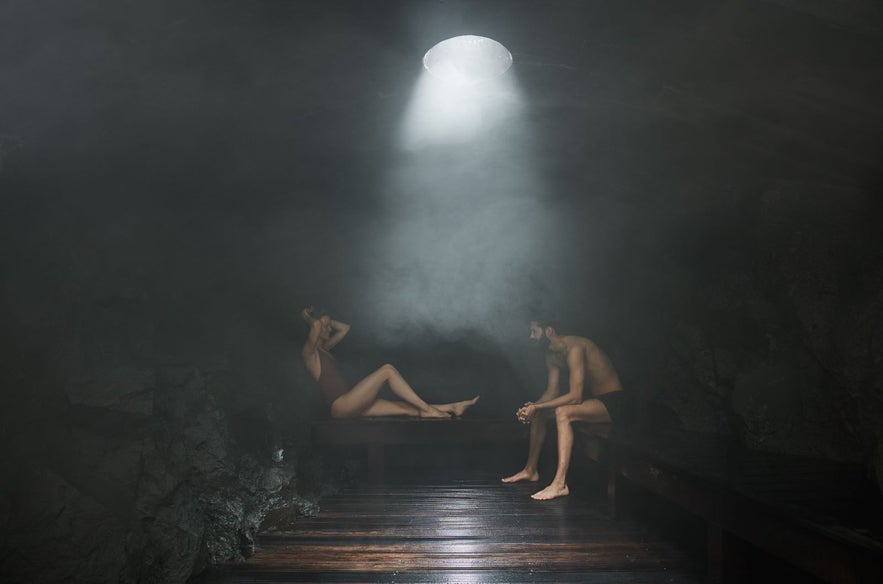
(782,345)
(125,468)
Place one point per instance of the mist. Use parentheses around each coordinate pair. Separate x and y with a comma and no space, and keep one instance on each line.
(694,186)
(460,233)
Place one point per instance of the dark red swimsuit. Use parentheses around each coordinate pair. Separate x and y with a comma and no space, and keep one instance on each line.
(331,382)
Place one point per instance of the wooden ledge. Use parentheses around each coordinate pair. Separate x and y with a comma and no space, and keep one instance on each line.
(389,431)
(814,514)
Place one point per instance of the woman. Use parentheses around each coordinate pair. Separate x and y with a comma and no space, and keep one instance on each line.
(361,399)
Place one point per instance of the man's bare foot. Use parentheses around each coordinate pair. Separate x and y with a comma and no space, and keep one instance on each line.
(523,476)
(553,491)
(433,413)
(457,409)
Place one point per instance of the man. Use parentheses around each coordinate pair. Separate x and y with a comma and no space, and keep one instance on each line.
(594,395)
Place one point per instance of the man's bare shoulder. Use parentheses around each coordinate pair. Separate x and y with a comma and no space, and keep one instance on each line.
(577,341)
(586,348)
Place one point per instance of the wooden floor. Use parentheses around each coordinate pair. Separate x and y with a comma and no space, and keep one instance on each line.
(473,530)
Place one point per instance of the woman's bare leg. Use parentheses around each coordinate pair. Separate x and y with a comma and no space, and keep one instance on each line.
(457,408)
(591,410)
(383,407)
(364,394)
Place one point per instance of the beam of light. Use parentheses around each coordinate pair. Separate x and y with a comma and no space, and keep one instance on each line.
(464,223)
(446,112)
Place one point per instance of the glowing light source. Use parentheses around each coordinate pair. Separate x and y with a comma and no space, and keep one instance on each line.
(467,59)
(462,93)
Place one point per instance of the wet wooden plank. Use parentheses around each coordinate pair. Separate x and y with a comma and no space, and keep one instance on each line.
(475,531)
(465,576)
(468,555)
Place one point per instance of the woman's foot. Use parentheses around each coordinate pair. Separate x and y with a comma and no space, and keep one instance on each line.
(433,413)
(457,409)
(523,476)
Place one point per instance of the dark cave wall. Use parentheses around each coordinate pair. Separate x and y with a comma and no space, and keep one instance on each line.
(773,335)
(139,444)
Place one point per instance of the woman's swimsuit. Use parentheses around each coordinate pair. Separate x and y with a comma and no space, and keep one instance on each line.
(330,380)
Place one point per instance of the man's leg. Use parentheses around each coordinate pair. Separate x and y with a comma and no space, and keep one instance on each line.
(591,410)
(537,437)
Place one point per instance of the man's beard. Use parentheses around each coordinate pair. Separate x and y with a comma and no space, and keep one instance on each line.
(544,343)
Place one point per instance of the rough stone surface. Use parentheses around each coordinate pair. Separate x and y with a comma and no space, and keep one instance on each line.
(138,496)
(782,349)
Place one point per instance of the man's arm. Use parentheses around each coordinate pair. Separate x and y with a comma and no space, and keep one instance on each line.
(340,330)
(526,412)
(552,380)
(576,364)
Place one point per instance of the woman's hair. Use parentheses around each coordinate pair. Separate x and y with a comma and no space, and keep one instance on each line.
(317,312)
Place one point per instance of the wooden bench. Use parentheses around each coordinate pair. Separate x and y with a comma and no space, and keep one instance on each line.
(821,516)
(375,434)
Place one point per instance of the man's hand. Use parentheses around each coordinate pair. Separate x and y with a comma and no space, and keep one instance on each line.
(526,413)
(307,314)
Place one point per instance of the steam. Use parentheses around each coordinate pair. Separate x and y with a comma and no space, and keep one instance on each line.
(463,234)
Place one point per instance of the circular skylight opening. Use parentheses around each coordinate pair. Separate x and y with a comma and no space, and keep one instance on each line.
(467,59)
